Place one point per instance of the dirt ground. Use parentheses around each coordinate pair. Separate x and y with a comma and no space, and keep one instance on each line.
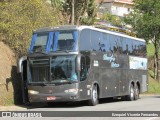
(7,68)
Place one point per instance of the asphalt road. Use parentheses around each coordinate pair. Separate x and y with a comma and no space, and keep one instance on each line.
(145,103)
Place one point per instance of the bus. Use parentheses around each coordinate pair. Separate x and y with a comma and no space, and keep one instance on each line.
(77,63)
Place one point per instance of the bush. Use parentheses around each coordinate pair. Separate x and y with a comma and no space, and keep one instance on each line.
(20,17)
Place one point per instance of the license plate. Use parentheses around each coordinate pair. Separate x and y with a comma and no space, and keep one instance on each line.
(51,98)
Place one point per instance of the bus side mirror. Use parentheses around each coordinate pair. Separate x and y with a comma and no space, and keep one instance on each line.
(78,63)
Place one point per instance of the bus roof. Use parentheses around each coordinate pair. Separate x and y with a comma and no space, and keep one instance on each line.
(64,27)
(74,27)
(110,32)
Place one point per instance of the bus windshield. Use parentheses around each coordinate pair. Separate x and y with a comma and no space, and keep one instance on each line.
(61,69)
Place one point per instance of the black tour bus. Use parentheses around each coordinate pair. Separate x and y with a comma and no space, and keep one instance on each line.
(75,63)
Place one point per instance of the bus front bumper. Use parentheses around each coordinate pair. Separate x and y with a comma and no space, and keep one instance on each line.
(53,98)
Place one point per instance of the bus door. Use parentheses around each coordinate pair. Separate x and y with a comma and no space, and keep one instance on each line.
(83,90)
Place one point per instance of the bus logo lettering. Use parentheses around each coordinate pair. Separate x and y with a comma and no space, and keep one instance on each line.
(111,60)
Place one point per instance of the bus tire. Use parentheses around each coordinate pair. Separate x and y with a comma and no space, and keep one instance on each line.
(27,103)
(94,97)
(136,95)
(131,95)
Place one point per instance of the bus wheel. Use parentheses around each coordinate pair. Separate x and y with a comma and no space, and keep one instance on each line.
(136,96)
(27,103)
(94,96)
(130,97)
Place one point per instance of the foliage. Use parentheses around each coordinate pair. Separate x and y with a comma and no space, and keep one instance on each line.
(57,3)
(150,50)
(19,17)
(113,19)
(84,11)
(145,20)
(91,13)
(154,86)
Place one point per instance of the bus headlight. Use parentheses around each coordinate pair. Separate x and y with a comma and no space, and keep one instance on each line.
(71,91)
(33,92)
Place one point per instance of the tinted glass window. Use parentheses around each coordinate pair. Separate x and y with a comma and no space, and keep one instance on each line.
(129,46)
(118,44)
(143,49)
(124,46)
(63,69)
(83,69)
(139,48)
(65,40)
(40,43)
(39,70)
(136,47)
(105,42)
(121,42)
(85,40)
(95,40)
(113,43)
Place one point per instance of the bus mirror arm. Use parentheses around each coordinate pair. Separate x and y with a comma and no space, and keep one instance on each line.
(20,62)
(78,63)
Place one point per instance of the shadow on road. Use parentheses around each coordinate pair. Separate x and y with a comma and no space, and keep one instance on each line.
(16,83)
(78,104)
(69,105)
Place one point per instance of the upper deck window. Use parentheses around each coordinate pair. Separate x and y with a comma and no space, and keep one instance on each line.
(54,41)
(85,43)
(40,43)
(65,40)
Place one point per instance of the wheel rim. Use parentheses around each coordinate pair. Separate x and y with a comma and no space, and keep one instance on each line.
(132,92)
(137,92)
(94,95)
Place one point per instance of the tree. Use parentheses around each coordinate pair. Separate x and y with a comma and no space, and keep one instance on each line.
(115,20)
(19,18)
(145,20)
(91,13)
(72,14)
(79,11)
(57,3)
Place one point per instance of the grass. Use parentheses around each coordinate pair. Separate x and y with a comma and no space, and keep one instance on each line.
(154,86)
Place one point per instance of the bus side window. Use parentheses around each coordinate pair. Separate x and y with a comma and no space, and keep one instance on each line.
(105,42)
(129,46)
(95,38)
(85,44)
(83,72)
(143,49)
